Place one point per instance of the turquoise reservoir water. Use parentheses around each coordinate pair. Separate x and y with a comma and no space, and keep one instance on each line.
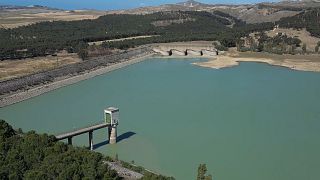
(250,122)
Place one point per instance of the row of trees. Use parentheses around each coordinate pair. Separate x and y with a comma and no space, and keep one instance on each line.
(279,44)
(317,47)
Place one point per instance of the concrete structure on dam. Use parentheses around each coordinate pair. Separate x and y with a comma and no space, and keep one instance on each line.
(197,48)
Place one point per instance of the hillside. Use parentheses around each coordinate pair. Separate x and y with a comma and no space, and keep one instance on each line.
(250,13)
(188,21)
(49,37)
(309,19)
(14,16)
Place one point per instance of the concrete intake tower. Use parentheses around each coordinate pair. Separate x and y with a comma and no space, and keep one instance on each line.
(111,116)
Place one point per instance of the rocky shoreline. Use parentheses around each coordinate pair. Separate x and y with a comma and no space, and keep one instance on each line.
(22,94)
(124,172)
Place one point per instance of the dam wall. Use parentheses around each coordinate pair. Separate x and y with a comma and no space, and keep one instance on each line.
(209,52)
(194,52)
(186,49)
(175,52)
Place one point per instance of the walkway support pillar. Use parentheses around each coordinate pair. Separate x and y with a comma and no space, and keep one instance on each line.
(70,140)
(91,140)
(112,134)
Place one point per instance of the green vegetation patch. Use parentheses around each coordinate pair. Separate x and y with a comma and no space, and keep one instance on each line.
(33,156)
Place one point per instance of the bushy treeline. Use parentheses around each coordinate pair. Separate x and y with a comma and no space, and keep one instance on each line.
(279,44)
(309,19)
(196,31)
(33,156)
(49,37)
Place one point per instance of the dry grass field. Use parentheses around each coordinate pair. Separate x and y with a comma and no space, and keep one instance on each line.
(16,18)
(16,68)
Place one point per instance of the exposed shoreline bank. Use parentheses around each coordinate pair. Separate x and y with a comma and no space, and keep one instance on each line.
(294,62)
(19,96)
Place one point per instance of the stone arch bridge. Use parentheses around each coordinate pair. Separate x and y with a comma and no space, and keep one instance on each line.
(186,49)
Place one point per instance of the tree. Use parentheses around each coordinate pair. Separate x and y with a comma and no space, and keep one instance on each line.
(240,44)
(317,47)
(83,54)
(292,49)
(304,48)
(219,46)
(6,130)
(202,170)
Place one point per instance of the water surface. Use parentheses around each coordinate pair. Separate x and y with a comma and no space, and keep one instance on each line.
(249,122)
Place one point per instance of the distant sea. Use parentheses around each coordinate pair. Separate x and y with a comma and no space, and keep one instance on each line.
(111,4)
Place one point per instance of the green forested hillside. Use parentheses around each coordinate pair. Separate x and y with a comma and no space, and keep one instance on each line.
(48,37)
(309,19)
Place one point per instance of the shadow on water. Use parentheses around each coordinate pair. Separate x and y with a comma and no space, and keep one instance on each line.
(120,138)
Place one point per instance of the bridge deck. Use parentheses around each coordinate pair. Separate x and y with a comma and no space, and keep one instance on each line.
(81,131)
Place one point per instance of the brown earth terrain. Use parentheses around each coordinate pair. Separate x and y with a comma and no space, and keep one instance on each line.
(16,68)
(13,18)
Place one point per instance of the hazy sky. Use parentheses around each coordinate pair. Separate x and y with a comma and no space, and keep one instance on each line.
(111,4)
